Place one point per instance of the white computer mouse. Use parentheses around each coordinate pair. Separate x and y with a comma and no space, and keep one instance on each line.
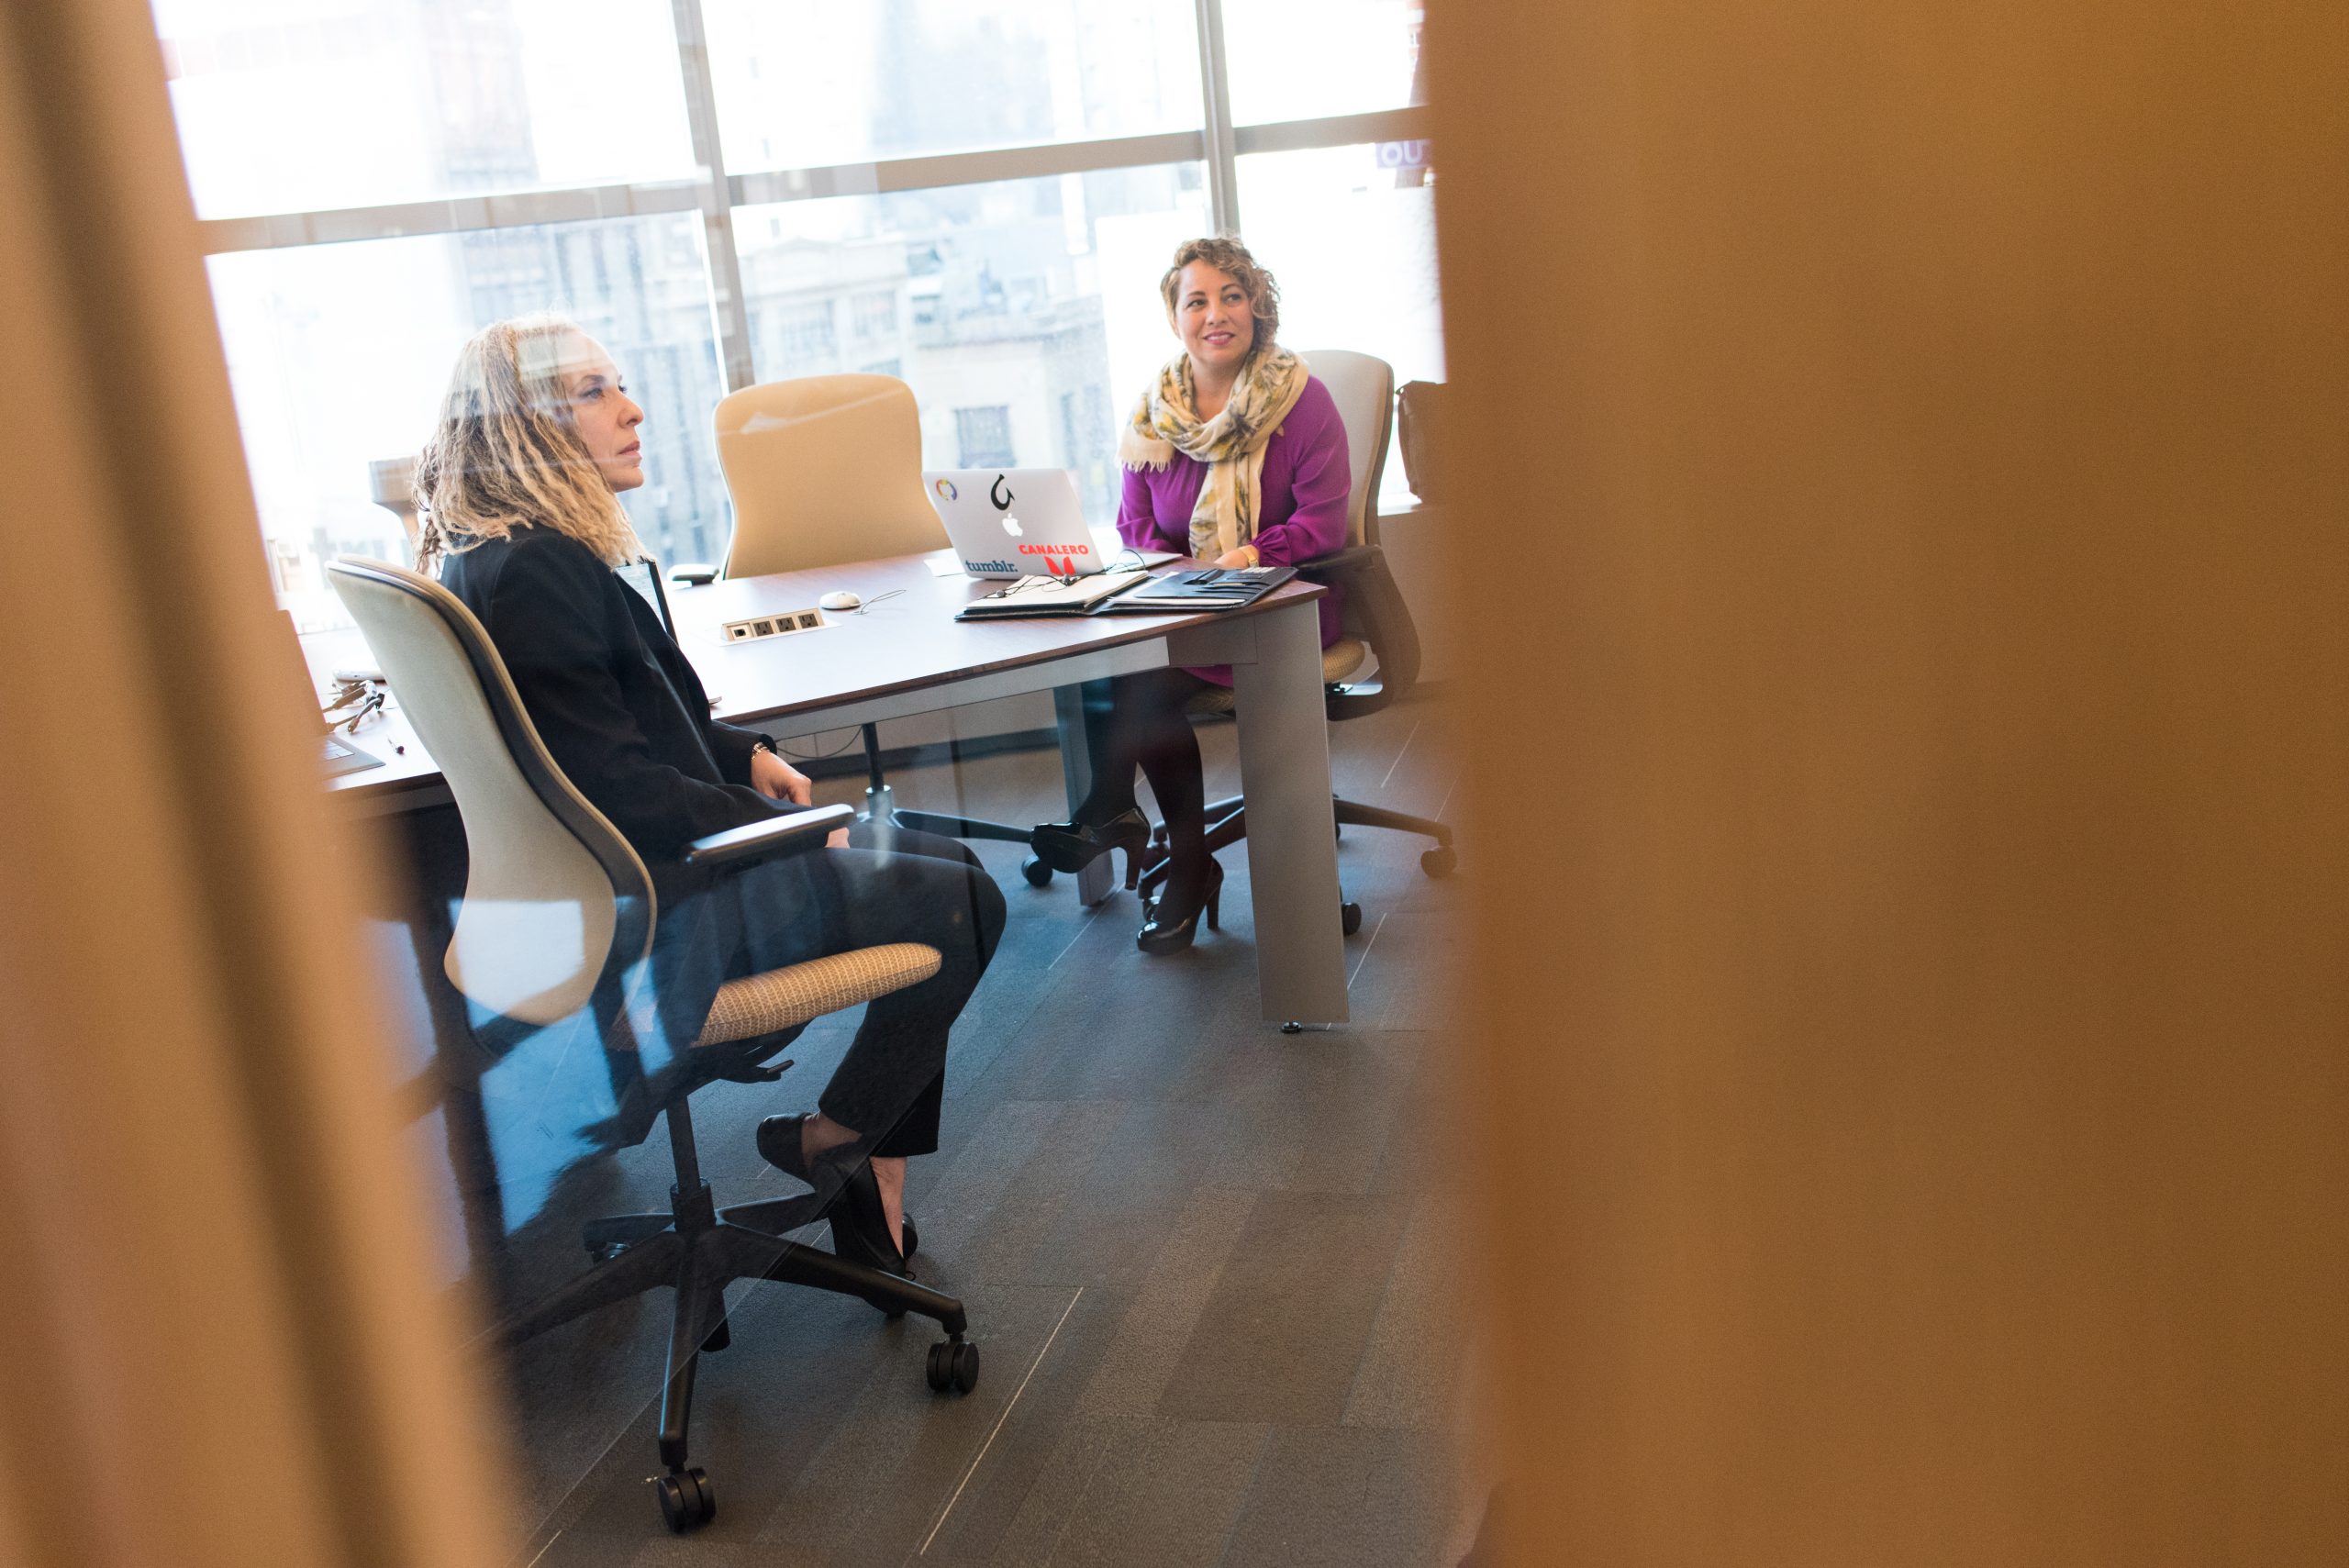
(840,599)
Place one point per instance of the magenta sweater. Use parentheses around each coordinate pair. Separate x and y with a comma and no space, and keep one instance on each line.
(1308,474)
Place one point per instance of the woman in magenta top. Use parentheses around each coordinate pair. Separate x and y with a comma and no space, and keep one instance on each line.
(1235,456)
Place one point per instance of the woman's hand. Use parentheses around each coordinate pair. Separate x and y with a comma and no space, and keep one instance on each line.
(778,780)
(1235,560)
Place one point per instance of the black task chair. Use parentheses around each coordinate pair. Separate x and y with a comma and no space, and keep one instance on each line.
(1378,624)
(557,908)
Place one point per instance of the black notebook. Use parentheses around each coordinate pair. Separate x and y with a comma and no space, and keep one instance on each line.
(1204,588)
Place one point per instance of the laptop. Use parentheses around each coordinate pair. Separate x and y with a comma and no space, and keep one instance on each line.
(1015,522)
(337,755)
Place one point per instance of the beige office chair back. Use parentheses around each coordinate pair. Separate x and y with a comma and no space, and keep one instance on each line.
(542,920)
(1363,385)
(391,481)
(824,469)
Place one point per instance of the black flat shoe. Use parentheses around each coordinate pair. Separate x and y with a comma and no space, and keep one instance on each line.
(860,1225)
(836,1175)
(780,1145)
(1169,928)
(1072,846)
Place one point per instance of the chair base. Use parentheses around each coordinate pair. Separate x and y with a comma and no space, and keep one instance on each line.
(697,1250)
(880,806)
(959,826)
(1227,824)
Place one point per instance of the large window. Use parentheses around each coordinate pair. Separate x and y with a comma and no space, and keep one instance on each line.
(1353,228)
(801,84)
(976,196)
(286,105)
(1294,59)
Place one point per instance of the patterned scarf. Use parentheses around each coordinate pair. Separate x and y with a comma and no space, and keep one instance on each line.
(1231,444)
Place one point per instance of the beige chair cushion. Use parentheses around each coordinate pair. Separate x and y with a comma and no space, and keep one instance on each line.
(760,1003)
(1341,659)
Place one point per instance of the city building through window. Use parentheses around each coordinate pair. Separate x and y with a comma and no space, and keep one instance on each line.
(982,438)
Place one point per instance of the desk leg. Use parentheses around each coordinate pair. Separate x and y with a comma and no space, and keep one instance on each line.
(1292,830)
(1094,883)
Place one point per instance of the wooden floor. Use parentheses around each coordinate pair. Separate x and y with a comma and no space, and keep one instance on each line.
(1209,1265)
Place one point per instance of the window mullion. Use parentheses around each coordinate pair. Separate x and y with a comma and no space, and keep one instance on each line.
(1215,89)
(731,310)
(1408,123)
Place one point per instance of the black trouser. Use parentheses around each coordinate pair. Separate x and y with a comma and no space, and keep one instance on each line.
(1149,729)
(922,889)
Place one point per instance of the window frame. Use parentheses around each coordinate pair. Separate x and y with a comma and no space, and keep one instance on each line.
(1218,144)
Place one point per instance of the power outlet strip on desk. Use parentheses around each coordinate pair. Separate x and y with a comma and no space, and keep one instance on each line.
(755,627)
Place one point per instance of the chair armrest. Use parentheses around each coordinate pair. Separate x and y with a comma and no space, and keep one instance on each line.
(791,835)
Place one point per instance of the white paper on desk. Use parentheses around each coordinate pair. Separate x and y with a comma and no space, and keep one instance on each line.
(943,564)
(1116,551)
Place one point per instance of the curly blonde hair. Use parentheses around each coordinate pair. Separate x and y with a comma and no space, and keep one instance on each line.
(506,454)
(1226,254)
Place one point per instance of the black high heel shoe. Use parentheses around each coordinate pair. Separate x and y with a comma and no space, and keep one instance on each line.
(1072,846)
(1168,929)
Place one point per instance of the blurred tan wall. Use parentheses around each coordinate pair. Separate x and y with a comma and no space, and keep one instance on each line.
(1910,1065)
(221,1340)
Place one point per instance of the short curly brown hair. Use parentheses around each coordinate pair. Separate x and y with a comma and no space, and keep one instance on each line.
(1226,254)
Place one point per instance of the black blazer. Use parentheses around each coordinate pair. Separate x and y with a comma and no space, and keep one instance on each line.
(611,694)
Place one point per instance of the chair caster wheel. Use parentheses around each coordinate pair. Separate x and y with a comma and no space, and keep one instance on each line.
(1292,1027)
(1350,917)
(687,1500)
(1037,873)
(953,1364)
(1440,862)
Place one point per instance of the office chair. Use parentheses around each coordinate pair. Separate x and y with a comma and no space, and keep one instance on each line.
(825,470)
(1375,622)
(557,909)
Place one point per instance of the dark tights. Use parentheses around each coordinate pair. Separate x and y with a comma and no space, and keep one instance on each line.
(1147,729)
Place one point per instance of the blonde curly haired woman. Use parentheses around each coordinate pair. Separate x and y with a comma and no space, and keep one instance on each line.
(1235,455)
(519,497)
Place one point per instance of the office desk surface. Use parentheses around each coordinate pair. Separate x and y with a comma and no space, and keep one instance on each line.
(901,646)
(907,645)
